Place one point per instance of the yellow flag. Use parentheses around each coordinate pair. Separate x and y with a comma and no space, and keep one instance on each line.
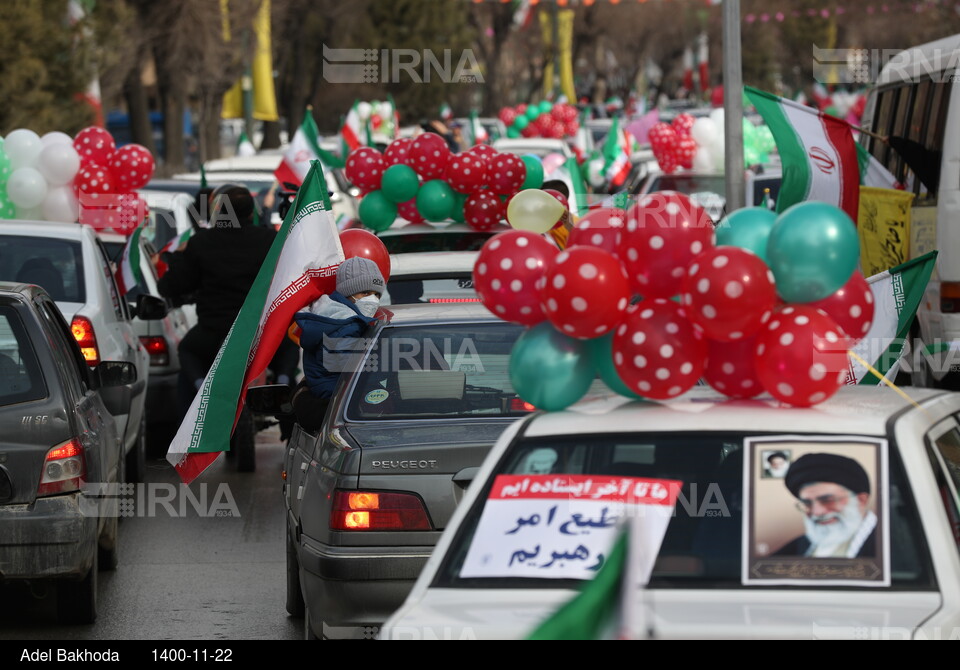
(883,223)
(566,55)
(264,98)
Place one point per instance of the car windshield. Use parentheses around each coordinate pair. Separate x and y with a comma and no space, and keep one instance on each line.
(457,370)
(20,376)
(703,543)
(451,287)
(435,240)
(54,264)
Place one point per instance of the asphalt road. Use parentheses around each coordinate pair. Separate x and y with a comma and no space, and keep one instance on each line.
(207,566)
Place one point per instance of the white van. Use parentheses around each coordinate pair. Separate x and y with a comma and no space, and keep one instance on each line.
(917,97)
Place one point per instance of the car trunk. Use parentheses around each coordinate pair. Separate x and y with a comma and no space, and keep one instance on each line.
(27,432)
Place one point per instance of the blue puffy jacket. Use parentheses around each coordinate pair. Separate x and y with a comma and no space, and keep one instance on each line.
(330,341)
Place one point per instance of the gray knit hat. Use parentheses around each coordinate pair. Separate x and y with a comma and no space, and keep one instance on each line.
(357,274)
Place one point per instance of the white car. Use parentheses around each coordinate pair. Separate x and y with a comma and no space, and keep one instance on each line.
(708,189)
(431,276)
(69,261)
(538,146)
(405,237)
(727,548)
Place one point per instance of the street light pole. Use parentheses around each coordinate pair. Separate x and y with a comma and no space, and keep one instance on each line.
(733,106)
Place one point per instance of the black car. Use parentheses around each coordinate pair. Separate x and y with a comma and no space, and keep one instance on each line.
(59,454)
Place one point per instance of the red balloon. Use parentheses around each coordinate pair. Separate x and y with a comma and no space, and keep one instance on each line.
(131,213)
(585,292)
(521,108)
(664,232)
(728,293)
(466,172)
(559,196)
(93,178)
(363,243)
(601,228)
(731,369)
(656,351)
(801,356)
(505,276)
(530,131)
(851,306)
(508,116)
(483,211)
(95,145)
(686,149)
(506,173)
(397,152)
(682,123)
(364,168)
(429,155)
(132,167)
(408,210)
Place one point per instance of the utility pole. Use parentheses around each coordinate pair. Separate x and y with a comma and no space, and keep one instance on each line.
(733,106)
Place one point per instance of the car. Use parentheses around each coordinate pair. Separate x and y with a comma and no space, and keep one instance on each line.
(404,237)
(60,446)
(538,146)
(169,213)
(415,411)
(723,564)
(431,276)
(495,128)
(71,263)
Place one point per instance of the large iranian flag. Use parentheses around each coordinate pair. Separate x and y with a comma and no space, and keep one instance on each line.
(128,273)
(300,267)
(303,150)
(817,151)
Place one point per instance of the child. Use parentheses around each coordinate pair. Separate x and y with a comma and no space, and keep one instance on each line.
(328,333)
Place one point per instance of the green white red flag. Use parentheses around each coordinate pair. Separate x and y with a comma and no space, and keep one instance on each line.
(352,131)
(817,151)
(128,273)
(303,150)
(299,268)
(616,155)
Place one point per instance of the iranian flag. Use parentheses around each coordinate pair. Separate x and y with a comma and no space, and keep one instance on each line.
(817,151)
(351,132)
(478,134)
(245,146)
(616,156)
(299,268)
(128,273)
(872,172)
(897,293)
(171,246)
(303,150)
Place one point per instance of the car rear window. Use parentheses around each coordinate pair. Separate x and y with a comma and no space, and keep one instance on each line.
(459,370)
(54,264)
(20,376)
(703,544)
(407,290)
(435,241)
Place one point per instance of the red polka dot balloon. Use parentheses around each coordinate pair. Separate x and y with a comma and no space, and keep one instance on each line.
(665,231)
(364,168)
(682,123)
(408,210)
(483,211)
(728,292)
(132,167)
(599,228)
(585,292)
(397,152)
(132,212)
(94,179)
(466,172)
(100,210)
(686,149)
(505,276)
(484,150)
(429,155)
(506,173)
(800,356)
(731,369)
(657,352)
(561,198)
(95,145)
(851,306)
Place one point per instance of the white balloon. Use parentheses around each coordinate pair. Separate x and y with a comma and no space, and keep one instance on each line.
(703,160)
(704,131)
(22,147)
(26,188)
(385,110)
(364,109)
(717,117)
(30,213)
(56,137)
(61,205)
(59,163)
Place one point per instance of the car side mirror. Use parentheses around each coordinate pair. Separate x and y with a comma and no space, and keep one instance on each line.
(150,307)
(272,399)
(115,373)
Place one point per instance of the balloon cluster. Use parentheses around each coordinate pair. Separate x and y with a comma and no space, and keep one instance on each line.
(380,114)
(84,179)
(419,179)
(653,299)
(544,119)
(698,143)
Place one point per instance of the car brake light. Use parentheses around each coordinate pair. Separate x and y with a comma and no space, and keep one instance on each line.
(454,299)
(63,468)
(83,332)
(950,297)
(365,510)
(520,405)
(156,346)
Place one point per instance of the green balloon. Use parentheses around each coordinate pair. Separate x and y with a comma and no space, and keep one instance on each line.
(812,250)
(7,210)
(435,200)
(548,369)
(748,228)
(520,123)
(513,133)
(459,200)
(376,211)
(601,357)
(399,183)
(5,168)
(546,107)
(533,111)
(534,178)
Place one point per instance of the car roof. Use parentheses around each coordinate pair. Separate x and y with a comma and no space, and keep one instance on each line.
(862,410)
(72,231)
(19,289)
(404,227)
(438,313)
(426,262)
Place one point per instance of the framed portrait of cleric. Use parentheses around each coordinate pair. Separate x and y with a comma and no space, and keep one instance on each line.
(825,521)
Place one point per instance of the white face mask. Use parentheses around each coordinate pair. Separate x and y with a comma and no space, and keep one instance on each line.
(368,305)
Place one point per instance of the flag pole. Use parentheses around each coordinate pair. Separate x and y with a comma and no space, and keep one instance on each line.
(733,106)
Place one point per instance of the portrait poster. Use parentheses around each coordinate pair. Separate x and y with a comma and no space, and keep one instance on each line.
(825,521)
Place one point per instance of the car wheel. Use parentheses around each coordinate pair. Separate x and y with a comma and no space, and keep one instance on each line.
(242,442)
(77,600)
(295,604)
(137,456)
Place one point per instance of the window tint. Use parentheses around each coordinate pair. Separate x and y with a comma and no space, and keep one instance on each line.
(20,377)
(54,264)
(947,446)
(108,268)
(430,289)
(435,241)
(66,353)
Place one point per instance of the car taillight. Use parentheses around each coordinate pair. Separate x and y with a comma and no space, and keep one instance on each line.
(950,297)
(520,405)
(454,299)
(367,510)
(83,332)
(156,346)
(63,468)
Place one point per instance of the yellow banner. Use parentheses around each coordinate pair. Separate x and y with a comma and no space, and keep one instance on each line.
(546,36)
(264,98)
(565,30)
(232,103)
(883,223)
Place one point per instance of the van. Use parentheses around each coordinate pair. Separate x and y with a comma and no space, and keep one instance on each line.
(915,99)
